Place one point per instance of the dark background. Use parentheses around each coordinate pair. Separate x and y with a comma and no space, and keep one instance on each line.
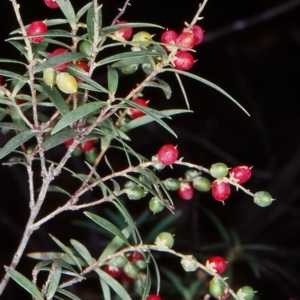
(251,50)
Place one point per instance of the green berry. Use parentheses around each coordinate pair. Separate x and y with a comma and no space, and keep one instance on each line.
(49,76)
(201,184)
(164,240)
(135,193)
(155,205)
(191,174)
(189,263)
(118,261)
(218,170)
(66,83)
(246,293)
(262,198)
(85,48)
(142,38)
(216,287)
(172,184)
(130,270)
(129,69)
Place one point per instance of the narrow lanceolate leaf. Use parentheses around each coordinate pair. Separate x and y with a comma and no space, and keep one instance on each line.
(77,114)
(10,74)
(68,11)
(54,282)
(68,294)
(67,251)
(212,85)
(112,80)
(115,285)
(108,226)
(58,138)
(90,22)
(15,142)
(20,47)
(57,189)
(59,59)
(11,61)
(13,126)
(26,284)
(105,289)
(83,10)
(83,251)
(165,88)
(56,98)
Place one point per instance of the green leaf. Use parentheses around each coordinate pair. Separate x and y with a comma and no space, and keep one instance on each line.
(108,226)
(26,284)
(57,189)
(11,61)
(68,11)
(54,282)
(13,75)
(125,55)
(13,126)
(15,142)
(177,284)
(182,90)
(68,294)
(56,98)
(115,285)
(67,251)
(53,22)
(212,85)
(76,115)
(147,119)
(90,22)
(105,289)
(165,87)
(20,47)
(112,80)
(83,10)
(130,61)
(59,59)
(58,138)
(83,251)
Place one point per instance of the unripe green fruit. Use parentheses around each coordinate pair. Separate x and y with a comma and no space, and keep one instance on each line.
(262,199)
(118,261)
(191,174)
(172,184)
(129,69)
(85,48)
(246,293)
(135,193)
(156,205)
(189,263)
(201,184)
(130,270)
(216,287)
(49,76)
(66,83)
(142,38)
(164,240)
(218,170)
(147,68)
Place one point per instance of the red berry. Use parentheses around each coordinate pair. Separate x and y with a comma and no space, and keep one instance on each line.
(51,3)
(217,264)
(56,52)
(126,32)
(168,37)
(185,191)
(136,113)
(183,60)
(20,101)
(186,40)
(167,154)
(198,33)
(153,297)
(84,66)
(86,146)
(69,142)
(1,79)
(135,256)
(240,174)
(220,190)
(112,270)
(37,27)
(125,277)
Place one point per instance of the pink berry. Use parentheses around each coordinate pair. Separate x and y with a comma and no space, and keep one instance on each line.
(183,60)
(186,40)
(136,113)
(185,191)
(240,174)
(37,27)
(198,33)
(153,297)
(135,256)
(168,37)
(126,32)
(51,3)
(86,146)
(113,271)
(84,66)
(56,52)
(220,190)
(167,154)
(217,264)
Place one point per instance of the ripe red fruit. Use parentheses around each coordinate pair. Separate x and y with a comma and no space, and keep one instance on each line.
(136,113)
(86,146)
(112,270)
(20,101)
(183,60)
(51,3)
(240,174)
(168,37)
(186,191)
(84,66)
(217,264)
(37,27)
(56,52)
(186,40)
(126,278)
(153,297)
(135,256)
(198,33)
(68,142)
(220,190)
(167,154)
(126,32)
(1,79)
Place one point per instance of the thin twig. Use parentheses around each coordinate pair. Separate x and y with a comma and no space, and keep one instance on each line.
(122,11)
